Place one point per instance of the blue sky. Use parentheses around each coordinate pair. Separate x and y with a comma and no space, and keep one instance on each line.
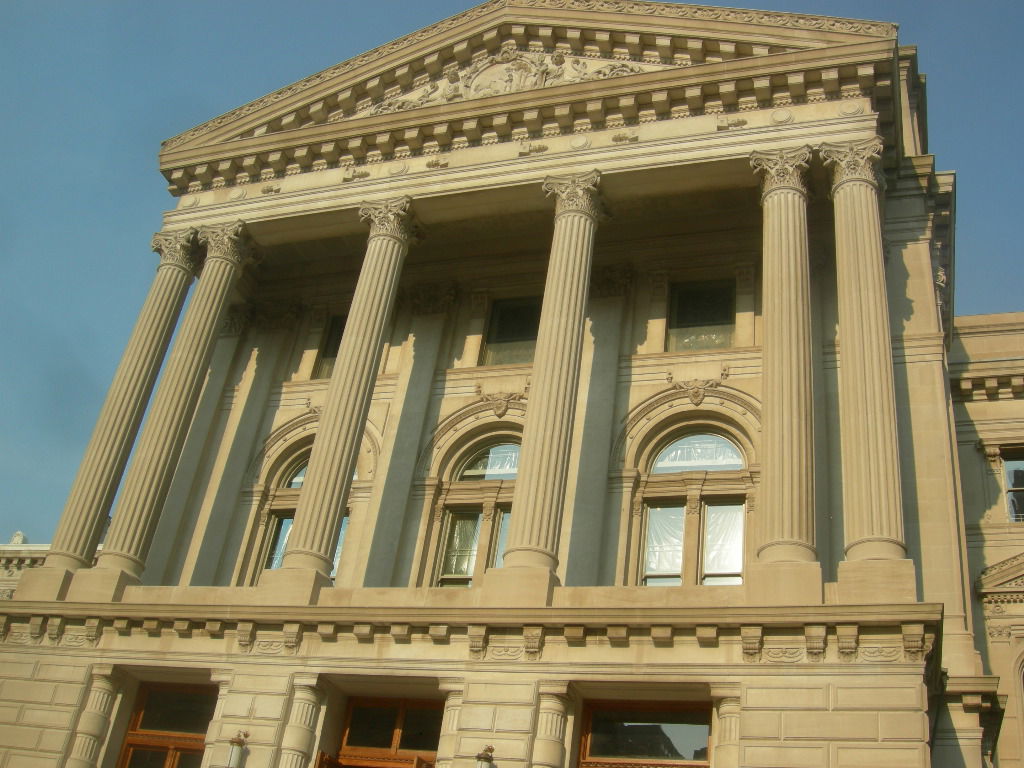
(93,86)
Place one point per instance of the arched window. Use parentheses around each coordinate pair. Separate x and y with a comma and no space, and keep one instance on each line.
(694,500)
(477,505)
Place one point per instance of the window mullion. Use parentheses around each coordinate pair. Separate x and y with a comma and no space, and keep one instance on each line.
(692,529)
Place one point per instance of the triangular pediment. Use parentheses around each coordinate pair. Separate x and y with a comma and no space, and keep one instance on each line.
(1004,576)
(531,53)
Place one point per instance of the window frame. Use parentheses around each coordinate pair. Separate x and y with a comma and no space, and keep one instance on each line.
(326,357)
(394,755)
(589,707)
(487,345)
(1011,453)
(670,310)
(175,742)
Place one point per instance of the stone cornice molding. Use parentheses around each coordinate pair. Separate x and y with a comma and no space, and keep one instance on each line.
(389,218)
(178,249)
(854,161)
(782,169)
(227,242)
(576,193)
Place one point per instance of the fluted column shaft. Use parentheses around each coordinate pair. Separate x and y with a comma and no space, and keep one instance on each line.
(94,721)
(727,735)
(549,743)
(299,734)
(92,493)
(448,741)
(160,444)
(347,401)
(787,479)
(872,508)
(547,433)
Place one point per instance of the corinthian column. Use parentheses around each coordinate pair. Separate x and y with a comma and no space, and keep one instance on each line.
(347,401)
(92,493)
(547,434)
(867,412)
(787,479)
(159,448)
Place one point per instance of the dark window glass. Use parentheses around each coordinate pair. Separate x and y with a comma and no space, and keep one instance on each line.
(702,315)
(650,734)
(147,758)
(279,541)
(177,711)
(329,350)
(190,760)
(1014,466)
(421,729)
(372,725)
(512,331)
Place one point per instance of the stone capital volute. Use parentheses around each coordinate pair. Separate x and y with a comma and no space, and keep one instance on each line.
(177,249)
(576,193)
(782,169)
(229,242)
(389,218)
(853,161)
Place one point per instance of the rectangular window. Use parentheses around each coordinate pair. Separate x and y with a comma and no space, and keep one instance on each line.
(329,349)
(702,315)
(339,545)
(459,558)
(168,727)
(282,526)
(1013,467)
(723,544)
(645,734)
(504,514)
(391,732)
(512,331)
(663,550)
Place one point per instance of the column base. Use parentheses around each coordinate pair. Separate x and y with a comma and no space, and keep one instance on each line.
(291,586)
(44,583)
(784,583)
(99,585)
(876,581)
(519,587)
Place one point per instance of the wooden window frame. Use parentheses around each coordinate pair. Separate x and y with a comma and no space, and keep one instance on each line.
(586,761)
(176,742)
(377,757)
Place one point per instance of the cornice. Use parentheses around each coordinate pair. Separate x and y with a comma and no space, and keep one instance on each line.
(601,8)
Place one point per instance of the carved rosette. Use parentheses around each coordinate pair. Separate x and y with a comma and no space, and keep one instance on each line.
(853,161)
(227,242)
(782,169)
(178,249)
(389,218)
(576,194)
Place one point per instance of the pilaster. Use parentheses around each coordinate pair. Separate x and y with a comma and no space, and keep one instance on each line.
(300,731)
(94,720)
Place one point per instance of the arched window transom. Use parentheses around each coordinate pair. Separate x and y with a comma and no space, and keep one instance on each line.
(496,462)
(696,453)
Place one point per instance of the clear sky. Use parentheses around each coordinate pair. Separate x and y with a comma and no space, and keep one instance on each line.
(93,86)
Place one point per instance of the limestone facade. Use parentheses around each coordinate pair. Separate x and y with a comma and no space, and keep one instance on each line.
(564,384)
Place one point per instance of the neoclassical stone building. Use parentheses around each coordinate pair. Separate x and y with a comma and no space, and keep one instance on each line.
(569,383)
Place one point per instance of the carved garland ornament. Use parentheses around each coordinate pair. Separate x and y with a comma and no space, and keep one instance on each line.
(853,161)
(389,218)
(782,169)
(576,193)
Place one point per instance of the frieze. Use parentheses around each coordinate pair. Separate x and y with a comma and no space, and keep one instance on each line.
(782,655)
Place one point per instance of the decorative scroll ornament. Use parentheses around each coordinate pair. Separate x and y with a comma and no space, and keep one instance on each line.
(576,194)
(177,249)
(391,218)
(853,161)
(500,401)
(697,389)
(229,242)
(782,169)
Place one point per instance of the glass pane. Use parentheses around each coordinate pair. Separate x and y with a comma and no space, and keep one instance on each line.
(512,331)
(298,477)
(1014,473)
(499,547)
(723,540)
(1015,501)
(372,725)
(654,734)
(329,350)
(460,549)
(147,758)
(339,545)
(702,315)
(497,462)
(663,551)
(699,337)
(279,542)
(190,760)
(695,453)
(178,711)
(421,729)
